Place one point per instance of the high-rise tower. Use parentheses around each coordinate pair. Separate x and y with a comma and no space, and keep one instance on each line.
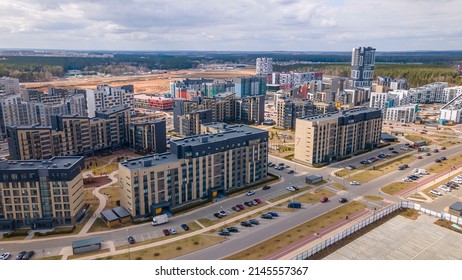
(362,66)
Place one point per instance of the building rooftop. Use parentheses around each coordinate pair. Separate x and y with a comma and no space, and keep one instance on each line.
(145,96)
(113,110)
(55,162)
(152,160)
(456,206)
(340,114)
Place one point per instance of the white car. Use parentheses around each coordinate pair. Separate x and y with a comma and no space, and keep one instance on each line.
(222,213)
(354,183)
(435,192)
(251,192)
(444,188)
(291,189)
(172,231)
(5,256)
(407,179)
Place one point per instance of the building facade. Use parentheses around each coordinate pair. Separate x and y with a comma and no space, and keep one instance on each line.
(249,86)
(9,86)
(250,109)
(403,114)
(362,66)
(324,138)
(152,102)
(104,97)
(148,137)
(41,194)
(197,169)
(264,66)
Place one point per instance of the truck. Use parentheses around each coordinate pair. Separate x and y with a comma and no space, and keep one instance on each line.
(160,219)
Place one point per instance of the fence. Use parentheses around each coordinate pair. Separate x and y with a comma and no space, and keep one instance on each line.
(371,219)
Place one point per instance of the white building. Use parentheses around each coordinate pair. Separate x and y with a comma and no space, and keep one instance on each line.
(403,114)
(383,100)
(9,86)
(431,93)
(450,93)
(452,111)
(106,97)
(264,66)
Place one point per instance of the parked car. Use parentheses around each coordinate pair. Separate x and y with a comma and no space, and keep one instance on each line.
(251,192)
(290,171)
(419,157)
(428,154)
(232,229)
(246,224)
(131,240)
(290,188)
(391,148)
(363,162)
(435,192)
(395,152)
(254,202)
(267,187)
(354,183)
(274,214)
(222,213)
(324,199)
(224,233)
(254,222)
(185,226)
(217,215)
(20,255)
(435,150)
(172,231)
(443,158)
(437,160)
(257,200)
(234,208)
(294,204)
(28,255)
(342,200)
(248,203)
(407,179)
(444,188)
(443,148)
(5,256)
(240,206)
(266,216)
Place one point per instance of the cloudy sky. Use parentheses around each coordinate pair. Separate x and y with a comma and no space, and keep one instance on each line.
(249,25)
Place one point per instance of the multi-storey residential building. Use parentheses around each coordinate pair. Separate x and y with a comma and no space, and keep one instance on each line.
(250,109)
(430,93)
(39,194)
(190,123)
(13,111)
(181,107)
(450,93)
(324,138)
(399,83)
(362,66)
(264,66)
(106,97)
(404,114)
(148,137)
(382,100)
(288,110)
(178,89)
(452,111)
(198,168)
(71,135)
(249,86)
(295,78)
(9,86)
(152,102)
(225,107)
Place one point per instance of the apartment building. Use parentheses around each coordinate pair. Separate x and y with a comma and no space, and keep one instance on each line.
(264,66)
(452,111)
(148,137)
(249,86)
(41,193)
(152,102)
(250,109)
(71,135)
(449,93)
(403,114)
(104,97)
(9,86)
(362,66)
(199,168)
(288,110)
(324,138)
(430,93)
(190,123)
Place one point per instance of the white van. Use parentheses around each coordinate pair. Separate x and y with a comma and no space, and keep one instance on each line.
(435,192)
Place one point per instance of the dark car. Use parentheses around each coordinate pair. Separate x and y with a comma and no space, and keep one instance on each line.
(443,158)
(324,199)
(435,151)
(257,200)
(217,215)
(20,255)
(391,148)
(294,204)
(248,203)
(233,229)
(131,240)
(443,148)
(296,188)
(419,157)
(28,255)
(395,152)
(428,154)
(342,200)
(240,206)
(266,216)
(290,171)
(234,208)
(254,222)
(267,187)
(405,165)
(185,226)
(274,214)
(363,162)
(224,233)
(246,224)
(166,232)
(437,160)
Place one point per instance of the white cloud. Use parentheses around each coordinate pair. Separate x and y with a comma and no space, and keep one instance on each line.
(231,25)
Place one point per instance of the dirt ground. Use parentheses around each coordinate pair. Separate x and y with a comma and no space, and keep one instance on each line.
(97,181)
(152,83)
